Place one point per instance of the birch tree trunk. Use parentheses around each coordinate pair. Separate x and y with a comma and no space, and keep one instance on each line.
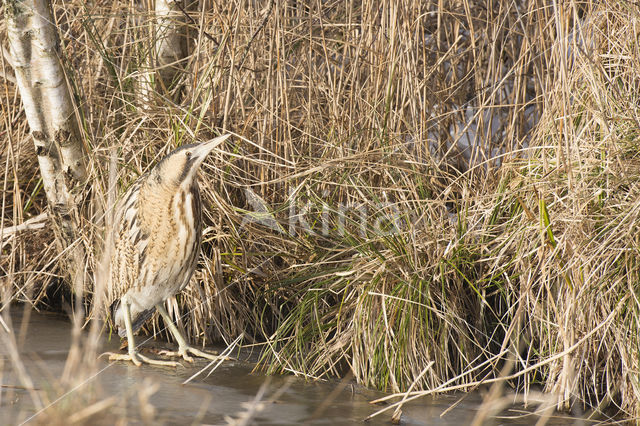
(171,40)
(44,92)
(168,52)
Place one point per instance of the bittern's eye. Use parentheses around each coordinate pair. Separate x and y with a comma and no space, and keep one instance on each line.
(188,154)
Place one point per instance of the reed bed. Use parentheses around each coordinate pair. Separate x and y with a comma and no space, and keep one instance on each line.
(432,195)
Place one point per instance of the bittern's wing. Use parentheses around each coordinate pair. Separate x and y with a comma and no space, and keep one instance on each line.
(128,243)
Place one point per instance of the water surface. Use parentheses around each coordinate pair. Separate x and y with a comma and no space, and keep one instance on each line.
(157,394)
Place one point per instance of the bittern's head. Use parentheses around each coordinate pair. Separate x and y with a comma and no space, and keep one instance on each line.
(181,165)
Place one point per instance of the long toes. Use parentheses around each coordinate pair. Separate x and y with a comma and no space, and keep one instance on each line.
(142,359)
(117,357)
(174,354)
(207,355)
(159,362)
(123,357)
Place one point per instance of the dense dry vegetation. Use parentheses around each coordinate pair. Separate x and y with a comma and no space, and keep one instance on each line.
(430,194)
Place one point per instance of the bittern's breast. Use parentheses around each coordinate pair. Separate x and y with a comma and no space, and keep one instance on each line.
(173,221)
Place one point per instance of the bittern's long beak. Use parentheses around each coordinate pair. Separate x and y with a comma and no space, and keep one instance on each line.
(202,150)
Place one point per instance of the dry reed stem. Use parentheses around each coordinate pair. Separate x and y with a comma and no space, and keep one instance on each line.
(502,135)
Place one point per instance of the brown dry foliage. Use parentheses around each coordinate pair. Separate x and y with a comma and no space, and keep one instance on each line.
(524,247)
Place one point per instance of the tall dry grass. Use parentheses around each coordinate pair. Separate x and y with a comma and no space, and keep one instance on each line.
(468,171)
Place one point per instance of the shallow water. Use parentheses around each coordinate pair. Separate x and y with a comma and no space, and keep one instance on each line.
(210,400)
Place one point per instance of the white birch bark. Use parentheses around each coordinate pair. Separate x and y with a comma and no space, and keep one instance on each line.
(146,79)
(168,51)
(60,111)
(171,39)
(49,111)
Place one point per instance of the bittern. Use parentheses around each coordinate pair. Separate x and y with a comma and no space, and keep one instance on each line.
(154,247)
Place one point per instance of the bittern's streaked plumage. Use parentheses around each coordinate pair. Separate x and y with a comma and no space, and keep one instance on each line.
(154,246)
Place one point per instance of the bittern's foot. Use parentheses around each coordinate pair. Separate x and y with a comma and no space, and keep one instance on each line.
(184,353)
(183,347)
(138,359)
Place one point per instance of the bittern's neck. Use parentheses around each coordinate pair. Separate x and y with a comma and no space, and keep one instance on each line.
(155,203)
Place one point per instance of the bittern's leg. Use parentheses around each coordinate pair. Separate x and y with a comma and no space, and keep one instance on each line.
(183,347)
(134,356)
